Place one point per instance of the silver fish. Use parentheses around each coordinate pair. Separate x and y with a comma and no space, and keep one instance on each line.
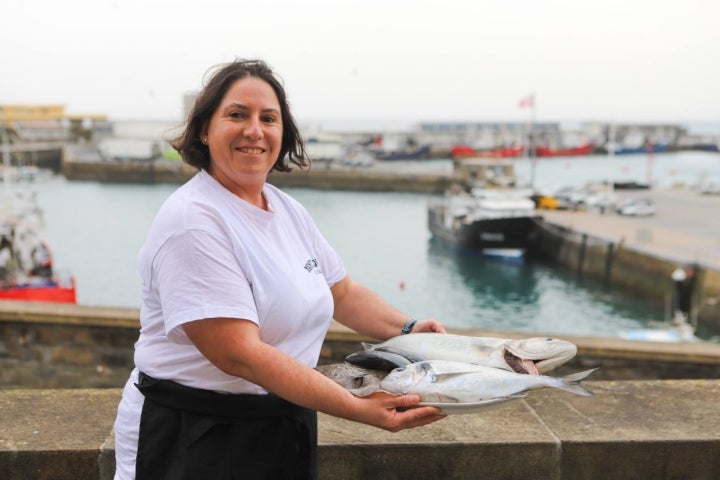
(357,380)
(531,355)
(455,382)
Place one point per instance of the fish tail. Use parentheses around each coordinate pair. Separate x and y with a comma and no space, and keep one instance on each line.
(571,383)
(576,377)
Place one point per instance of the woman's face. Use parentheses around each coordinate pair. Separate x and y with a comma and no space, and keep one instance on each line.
(244,135)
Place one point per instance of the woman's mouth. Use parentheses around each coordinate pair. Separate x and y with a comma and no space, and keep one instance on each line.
(251,150)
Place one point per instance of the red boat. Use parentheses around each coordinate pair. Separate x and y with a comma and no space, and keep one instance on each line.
(464,151)
(41,291)
(564,152)
(26,262)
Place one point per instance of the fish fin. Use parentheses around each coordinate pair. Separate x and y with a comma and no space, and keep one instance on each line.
(377,360)
(576,377)
(442,376)
(412,358)
(367,346)
(571,383)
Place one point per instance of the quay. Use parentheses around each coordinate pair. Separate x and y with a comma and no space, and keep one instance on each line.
(82,163)
(654,414)
(640,254)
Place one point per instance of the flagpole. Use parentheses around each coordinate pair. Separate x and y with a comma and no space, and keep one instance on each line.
(531,143)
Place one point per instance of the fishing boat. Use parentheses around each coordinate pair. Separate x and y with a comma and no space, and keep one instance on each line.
(26,261)
(409,153)
(466,151)
(628,150)
(485,211)
(546,151)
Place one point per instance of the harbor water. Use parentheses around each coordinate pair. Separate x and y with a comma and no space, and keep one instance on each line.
(96,230)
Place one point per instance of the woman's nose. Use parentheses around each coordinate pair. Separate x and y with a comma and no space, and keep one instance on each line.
(253,129)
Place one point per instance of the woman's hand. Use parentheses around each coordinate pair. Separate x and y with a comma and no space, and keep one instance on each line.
(396,412)
(428,325)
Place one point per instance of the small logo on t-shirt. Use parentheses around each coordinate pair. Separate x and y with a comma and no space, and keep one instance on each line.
(312,266)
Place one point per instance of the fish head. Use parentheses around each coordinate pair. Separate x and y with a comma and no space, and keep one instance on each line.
(359,381)
(403,379)
(538,355)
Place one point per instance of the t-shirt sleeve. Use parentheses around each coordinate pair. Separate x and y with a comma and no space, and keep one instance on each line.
(198,277)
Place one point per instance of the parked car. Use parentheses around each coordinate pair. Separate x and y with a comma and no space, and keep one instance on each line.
(602,201)
(710,187)
(639,207)
(569,198)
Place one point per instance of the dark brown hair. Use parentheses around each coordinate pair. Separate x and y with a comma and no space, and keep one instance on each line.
(197,154)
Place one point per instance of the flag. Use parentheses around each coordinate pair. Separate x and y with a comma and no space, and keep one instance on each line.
(527,102)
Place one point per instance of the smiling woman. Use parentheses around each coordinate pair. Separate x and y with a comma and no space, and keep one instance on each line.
(238,290)
(244,137)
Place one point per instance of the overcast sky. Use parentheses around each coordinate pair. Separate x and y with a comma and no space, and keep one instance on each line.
(419,60)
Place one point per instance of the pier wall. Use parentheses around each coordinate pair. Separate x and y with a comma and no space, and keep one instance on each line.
(318,177)
(358,180)
(150,172)
(619,266)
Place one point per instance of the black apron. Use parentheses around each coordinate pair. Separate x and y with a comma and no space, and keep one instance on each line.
(189,434)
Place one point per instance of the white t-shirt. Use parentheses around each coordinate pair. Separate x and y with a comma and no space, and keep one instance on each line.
(210,254)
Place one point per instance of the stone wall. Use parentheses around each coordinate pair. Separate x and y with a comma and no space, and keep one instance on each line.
(619,267)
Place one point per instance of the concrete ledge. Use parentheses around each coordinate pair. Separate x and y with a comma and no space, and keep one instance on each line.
(57,434)
(630,430)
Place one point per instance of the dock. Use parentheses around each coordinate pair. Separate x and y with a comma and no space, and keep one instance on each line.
(640,254)
(682,230)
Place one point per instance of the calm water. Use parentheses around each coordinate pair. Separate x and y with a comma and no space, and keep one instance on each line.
(96,230)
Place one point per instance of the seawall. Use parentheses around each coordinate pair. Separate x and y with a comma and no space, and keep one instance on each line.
(382,177)
(633,256)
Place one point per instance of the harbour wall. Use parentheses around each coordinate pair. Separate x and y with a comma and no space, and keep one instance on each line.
(620,266)
(320,176)
(150,172)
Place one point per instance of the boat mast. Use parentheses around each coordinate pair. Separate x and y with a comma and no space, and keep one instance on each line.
(611,154)
(5,155)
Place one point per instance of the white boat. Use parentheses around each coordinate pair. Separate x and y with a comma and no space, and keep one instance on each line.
(26,262)
(485,212)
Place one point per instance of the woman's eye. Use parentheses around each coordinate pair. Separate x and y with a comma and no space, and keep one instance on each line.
(269,119)
(235,115)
